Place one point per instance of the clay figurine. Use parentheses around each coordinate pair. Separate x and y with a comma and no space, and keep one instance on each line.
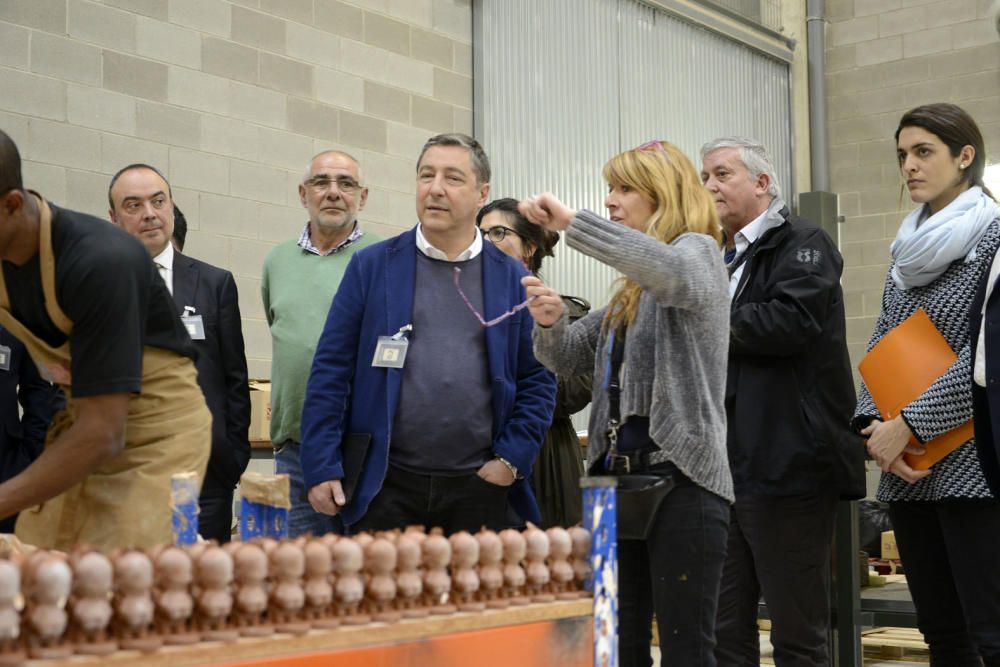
(134,601)
(287,599)
(348,559)
(250,603)
(318,587)
(11,649)
(580,537)
(464,578)
(47,586)
(172,595)
(213,594)
(380,593)
(490,570)
(538,572)
(409,584)
(437,581)
(90,605)
(560,549)
(514,577)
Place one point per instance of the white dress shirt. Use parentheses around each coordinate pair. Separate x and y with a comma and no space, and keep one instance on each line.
(743,240)
(424,246)
(165,265)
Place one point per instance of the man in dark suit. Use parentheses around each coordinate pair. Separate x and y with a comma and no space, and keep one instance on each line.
(22,433)
(206,296)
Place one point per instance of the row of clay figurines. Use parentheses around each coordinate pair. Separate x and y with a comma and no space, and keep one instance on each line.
(52,605)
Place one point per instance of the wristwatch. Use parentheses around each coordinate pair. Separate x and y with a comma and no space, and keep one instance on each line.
(510,466)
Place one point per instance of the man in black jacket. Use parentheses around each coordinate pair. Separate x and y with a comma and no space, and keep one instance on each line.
(789,400)
(208,302)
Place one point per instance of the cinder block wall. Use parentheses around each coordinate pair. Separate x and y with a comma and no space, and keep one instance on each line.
(883,58)
(231,99)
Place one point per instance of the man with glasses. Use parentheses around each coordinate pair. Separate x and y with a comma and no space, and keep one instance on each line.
(427,357)
(206,297)
(299,281)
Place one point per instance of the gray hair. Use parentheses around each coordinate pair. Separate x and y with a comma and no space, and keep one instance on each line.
(308,172)
(480,163)
(754,156)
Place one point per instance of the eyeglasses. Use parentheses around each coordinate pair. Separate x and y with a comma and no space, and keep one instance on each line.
(322,183)
(498,233)
(483,320)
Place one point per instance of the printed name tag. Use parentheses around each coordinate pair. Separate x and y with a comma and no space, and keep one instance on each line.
(390,352)
(195,327)
(4,358)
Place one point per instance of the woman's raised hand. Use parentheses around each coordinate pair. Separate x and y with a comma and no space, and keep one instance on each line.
(546,305)
(547,211)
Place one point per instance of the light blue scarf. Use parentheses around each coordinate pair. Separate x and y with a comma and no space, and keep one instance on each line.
(925,248)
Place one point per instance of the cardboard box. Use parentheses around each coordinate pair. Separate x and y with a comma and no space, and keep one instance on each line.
(889,549)
(260,410)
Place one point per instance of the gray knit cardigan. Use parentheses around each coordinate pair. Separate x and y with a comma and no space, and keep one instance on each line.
(674,369)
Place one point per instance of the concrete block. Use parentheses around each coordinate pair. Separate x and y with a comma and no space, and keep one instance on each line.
(839,10)
(386,103)
(862,229)
(409,74)
(851,252)
(918,3)
(287,75)
(47,15)
(873,300)
(876,253)
(105,26)
(854,80)
(339,18)
(391,173)
(840,58)
(157,9)
(32,95)
(386,33)
(975,86)
(292,181)
(950,12)
(230,60)
(284,149)
(432,48)
(16,127)
(850,204)
(407,141)
(14,46)
(256,182)
(852,31)
(844,156)
(856,179)
(257,104)
(48,179)
(363,132)
(187,200)
(199,171)
(256,334)
(251,256)
(854,130)
(312,46)
(64,58)
(413,12)
(87,191)
(280,223)
(134,76)
(900,72)
(883,200)
(431,115)
(376,209)
(363,60)
(463,59)
(255,4)
(248,293)
(257,30)
(312,119)
(295,10)
(462,120)
(168,124)
(402,211)
(872,7)
(169,43)
(453,18)
(195,90)
(859,329)
(984,110)
(100,109)
(902,21)
(118,151)
(211,16)
(877,151)
(229,216)
(879,51)
(452,88)
(340,89)
(854,304)
(972,33)
(965,61)
(923,42)
(260,369)
(860,278)
(208,247)
(229,136)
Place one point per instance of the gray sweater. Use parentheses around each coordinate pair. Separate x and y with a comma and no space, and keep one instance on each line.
(674,370)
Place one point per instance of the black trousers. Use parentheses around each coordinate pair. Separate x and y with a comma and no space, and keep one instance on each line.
(466,502)
(674,572)
(215,513)
(779,546)
(952,559)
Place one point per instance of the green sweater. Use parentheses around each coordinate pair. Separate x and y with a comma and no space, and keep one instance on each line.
(298,288)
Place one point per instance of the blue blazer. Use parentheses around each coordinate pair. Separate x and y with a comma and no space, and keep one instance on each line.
(345,394)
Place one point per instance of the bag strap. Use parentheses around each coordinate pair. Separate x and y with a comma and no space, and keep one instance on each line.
(614,388)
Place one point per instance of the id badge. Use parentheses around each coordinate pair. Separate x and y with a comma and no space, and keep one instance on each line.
(390,352)
(4,358)
(195,327)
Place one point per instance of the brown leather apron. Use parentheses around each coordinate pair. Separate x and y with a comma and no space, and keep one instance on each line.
(126,502)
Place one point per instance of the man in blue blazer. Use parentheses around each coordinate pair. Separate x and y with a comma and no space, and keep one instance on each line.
(417,354)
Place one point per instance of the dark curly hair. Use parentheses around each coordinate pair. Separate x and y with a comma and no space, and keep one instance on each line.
(541,240)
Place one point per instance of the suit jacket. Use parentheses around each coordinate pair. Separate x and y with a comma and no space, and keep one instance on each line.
(345,394)
(986,400)
(221,363)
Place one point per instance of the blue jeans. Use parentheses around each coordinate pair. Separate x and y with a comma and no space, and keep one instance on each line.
(674,572)
(302,518)
(950,553)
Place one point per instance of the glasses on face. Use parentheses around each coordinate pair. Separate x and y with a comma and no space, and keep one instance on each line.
(498,233)
(134,206)
(482,320)
(322,183)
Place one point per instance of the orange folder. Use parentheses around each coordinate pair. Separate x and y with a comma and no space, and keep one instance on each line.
(900,368)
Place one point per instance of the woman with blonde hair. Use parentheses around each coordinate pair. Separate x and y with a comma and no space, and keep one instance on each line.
(658,353)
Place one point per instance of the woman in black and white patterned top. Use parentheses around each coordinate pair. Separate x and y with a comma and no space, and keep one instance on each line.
(946,519)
